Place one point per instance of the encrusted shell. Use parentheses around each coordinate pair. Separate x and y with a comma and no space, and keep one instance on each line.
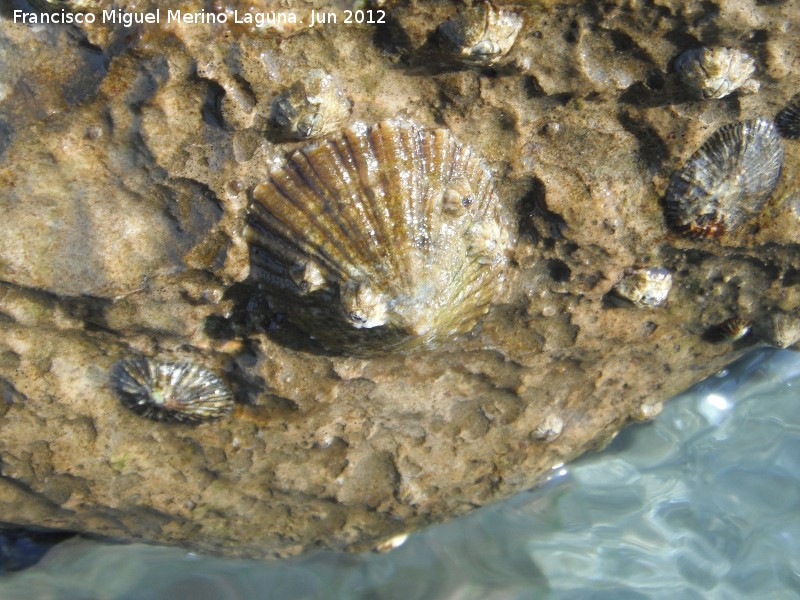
(788,119)
(727,180)
(783,330)
(648,287)
(384,237)
(313,106)
(716,72)
(171,391)
(481,34)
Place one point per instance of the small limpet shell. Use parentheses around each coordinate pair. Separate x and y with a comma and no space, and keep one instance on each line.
(648,287)
(727,181)
(311,107)
(171,391)
(481,34)
(730,330)
(387,237)
(716,72)
(788,119)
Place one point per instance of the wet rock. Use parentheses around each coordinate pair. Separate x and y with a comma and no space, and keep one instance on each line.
(125,199)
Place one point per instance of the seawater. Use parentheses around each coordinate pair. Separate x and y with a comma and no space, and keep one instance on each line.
(703,502)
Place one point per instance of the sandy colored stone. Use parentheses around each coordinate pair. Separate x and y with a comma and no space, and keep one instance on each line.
(124,202)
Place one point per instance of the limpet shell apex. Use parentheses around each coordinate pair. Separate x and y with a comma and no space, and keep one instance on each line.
(180,391)
(727,181)
(481,34)
(716,72)
(387,237)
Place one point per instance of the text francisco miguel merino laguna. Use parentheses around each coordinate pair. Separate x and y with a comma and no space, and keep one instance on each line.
(169,16)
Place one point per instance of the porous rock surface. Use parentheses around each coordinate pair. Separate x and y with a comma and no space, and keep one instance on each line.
(127,156)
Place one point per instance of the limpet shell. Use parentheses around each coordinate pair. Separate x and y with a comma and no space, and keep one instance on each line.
(387,237)
(180,391)
(730,330)
(481,34)
(716,72)
(788,119)
(311,107)
(727,181)
(648,287)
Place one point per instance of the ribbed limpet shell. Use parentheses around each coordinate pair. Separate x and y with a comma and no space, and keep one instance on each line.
(727,180)
(788,119)
(716,72)
(383,238)
(730,330)
(481,34)
(181,391)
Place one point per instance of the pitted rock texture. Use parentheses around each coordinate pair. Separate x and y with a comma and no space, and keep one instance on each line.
(125,176)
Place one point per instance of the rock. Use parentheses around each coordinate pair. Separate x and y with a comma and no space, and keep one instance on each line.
(126,180)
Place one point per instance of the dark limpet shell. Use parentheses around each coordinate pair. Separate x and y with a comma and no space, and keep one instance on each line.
(727,181)
(387,238)
(179,391)
(788,119)
(730,330)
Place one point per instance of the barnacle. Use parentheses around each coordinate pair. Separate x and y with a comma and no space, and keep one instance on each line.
(649,286)
(480,35)
(311,107)
(716,72)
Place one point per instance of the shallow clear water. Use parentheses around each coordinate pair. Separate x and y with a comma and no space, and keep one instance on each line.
(704,502)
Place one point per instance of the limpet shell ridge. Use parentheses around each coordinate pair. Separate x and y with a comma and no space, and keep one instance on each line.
(180,391)
(726,181)
(382,238)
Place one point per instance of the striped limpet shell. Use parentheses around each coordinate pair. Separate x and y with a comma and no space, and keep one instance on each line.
(383,238)
(730,330)
(788,119)
(727,181)
(181,391)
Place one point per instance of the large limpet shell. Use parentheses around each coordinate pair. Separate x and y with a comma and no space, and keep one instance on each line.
(481,34)
(727,180)
(387,237)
